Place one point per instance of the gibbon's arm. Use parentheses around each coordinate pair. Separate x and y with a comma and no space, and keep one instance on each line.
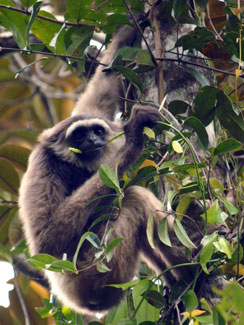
(57,220)
(101,94)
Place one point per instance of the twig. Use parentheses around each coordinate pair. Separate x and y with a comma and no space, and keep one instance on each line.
(28,13)
(208,17)
(99,63)
(140,31)
(200,66)
(28,52)
(21,299)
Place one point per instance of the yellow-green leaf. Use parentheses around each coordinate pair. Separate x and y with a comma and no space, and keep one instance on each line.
(150,230)
(177,146)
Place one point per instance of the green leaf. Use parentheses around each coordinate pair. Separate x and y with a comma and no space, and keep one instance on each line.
(230,207)
(7,215)
(190,300)
(143,58)
(146,311)
(48,262)
(149,132)
(177,146)
(228,117)
(43,29)
(77,9)
(111,246)
(150,230)
(182,235)
(183,204)
(75,150)
(229,145)
(61,266)
(154,298)
(200,130)
(16,154)
(206,254)
(102,268)
(128,53)
(163,232)
(28,3)
(188,188)
(204,104)
(215,214)
(130,75)
(207,239)
(40,261)
(216,186)
(197,39)
(184,168)
(9,179)
(107,236)
(76,40)
(34,13)
(15,22)
(181,12)
(58,40)
(197,75)
(46,311)
(125,286)
(178,107)
(144,174)
(81,241)
(109,177)
(224,246)
(217,317)
(237,255)
(94,240)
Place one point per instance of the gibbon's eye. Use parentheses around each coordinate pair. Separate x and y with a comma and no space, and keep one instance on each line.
(99,130)
(79,133)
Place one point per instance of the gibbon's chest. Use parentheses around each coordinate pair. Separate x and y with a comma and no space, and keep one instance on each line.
(70,176)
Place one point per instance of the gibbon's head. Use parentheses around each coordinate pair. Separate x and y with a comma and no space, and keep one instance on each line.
(83,140)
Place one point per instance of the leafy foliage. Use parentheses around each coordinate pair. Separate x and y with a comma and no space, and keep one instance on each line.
(51,56)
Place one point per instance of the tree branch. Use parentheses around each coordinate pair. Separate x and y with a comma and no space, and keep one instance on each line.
(99,63)
(28,13)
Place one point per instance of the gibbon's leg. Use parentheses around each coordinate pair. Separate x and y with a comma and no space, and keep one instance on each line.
(139,202)
(101,94)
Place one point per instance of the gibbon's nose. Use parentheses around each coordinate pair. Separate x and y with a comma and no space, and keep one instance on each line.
(91,138)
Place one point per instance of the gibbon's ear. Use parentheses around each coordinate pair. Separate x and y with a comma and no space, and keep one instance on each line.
(101,95)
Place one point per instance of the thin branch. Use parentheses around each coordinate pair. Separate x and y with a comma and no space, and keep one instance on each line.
(99,63)
(140,31)
(208,17)
(21,300)
(232,91)
(28,13)
(200,66)
(28,52)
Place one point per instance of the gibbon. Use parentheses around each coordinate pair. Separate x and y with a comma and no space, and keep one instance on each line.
(57,190)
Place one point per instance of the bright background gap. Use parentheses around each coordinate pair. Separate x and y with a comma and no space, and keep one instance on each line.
(6,273)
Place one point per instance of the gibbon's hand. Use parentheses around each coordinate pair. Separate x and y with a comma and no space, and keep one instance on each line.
(141,116)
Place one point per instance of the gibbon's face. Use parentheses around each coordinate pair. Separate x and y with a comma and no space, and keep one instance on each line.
(89,137)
